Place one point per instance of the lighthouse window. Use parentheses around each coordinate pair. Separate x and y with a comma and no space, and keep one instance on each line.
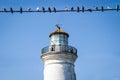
(59,39)
(62,38)
(57,42)
(56,38)
(61,35)
(62,42)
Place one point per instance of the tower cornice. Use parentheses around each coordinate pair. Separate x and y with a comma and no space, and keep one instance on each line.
(62,56)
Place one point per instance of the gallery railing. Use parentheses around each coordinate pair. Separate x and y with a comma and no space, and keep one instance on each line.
(59,48)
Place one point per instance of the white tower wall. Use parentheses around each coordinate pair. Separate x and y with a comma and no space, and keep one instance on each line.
(59,71)
(59,66)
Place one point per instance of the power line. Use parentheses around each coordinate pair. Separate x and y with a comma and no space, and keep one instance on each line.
(72,9)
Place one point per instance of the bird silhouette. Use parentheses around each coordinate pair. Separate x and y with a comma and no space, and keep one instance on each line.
(58,26)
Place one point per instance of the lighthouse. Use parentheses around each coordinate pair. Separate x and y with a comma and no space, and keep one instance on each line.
(59,57)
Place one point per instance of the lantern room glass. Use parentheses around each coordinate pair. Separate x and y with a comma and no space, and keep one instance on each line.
(59,39)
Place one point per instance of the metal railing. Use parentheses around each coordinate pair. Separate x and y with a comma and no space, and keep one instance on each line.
(59,48)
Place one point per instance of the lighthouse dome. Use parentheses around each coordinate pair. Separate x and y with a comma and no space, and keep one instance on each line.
(59,31)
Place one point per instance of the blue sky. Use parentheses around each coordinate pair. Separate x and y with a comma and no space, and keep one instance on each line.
(96,36)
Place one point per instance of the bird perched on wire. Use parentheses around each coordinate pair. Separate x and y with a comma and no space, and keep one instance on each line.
(78,9)
(21,10)
(37,9)
(96,8)
(54,9)
(117,7)
(29,9)
(66,9)
(43,9)
(4,9)
(109,7)
(58,26)
(11,10)
(72,8)
(49,9)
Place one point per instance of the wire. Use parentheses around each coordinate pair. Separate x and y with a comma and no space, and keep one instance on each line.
(78,9)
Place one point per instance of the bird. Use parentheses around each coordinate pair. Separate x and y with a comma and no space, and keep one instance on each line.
(58,26)
(4,9)
(37,9)
(102,8)
(72,8)
(49,9)
(54,9)
(83,8)
(108,7)
(29,9)
(90,10)
(11,10)
(78,9)
(43,9)
(96,8)
(66,9)
(20,9)
(117,7)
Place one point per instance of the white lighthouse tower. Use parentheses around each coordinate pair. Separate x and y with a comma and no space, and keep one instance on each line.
(59,57)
